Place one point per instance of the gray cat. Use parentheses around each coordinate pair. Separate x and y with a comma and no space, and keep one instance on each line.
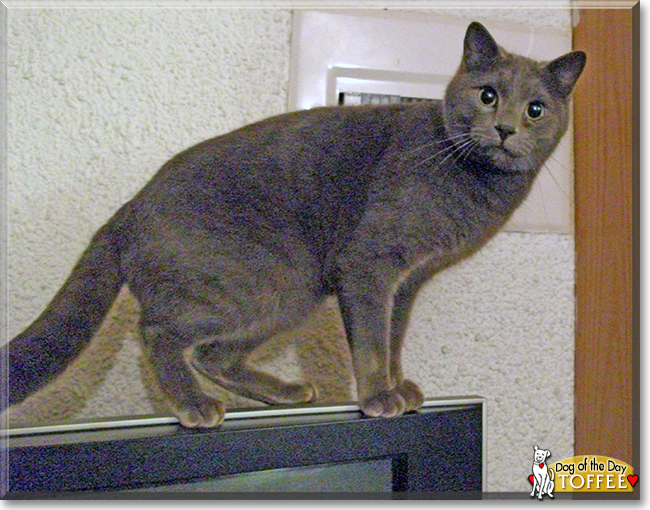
(239,237)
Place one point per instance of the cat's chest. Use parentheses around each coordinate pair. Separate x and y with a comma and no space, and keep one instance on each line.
(425,225)
(441,211)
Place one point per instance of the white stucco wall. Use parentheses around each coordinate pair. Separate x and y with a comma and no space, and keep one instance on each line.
(100,99)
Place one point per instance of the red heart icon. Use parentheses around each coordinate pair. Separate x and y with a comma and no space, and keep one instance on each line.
(632,479)
(531,479)
(541,465)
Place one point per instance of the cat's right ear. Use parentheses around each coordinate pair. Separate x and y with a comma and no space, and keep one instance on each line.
(562,74)
(479,50)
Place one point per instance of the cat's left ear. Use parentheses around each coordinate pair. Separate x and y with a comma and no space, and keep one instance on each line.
(480,50)
(562,73)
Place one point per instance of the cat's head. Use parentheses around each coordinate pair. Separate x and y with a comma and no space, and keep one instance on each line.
(510,109)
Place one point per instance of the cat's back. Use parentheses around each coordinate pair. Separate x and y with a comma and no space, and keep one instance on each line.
(306,163)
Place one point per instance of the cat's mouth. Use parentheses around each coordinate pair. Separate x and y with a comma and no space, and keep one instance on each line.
(510,152)
(497,149)
(500,151)
(503,155)
(505,158)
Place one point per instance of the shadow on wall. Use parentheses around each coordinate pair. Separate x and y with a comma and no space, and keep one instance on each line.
(319,347)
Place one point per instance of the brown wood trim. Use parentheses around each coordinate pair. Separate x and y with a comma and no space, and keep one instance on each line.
(604,170)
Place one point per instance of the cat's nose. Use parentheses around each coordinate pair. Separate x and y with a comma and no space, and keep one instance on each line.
(505,131)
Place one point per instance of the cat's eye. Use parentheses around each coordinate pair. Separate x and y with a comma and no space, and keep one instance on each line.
(535,110)
(488,96)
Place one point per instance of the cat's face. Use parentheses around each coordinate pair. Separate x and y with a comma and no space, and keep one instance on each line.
(508,110)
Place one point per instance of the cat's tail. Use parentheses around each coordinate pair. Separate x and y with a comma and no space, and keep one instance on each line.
(67,325)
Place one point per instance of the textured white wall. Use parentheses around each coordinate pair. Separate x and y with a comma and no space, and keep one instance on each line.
(501,325)
(98,100)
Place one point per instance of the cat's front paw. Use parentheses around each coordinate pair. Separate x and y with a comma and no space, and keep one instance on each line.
(411,394)
(386,404)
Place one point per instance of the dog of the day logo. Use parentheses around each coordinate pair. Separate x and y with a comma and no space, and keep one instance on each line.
(543,476)
(583,473)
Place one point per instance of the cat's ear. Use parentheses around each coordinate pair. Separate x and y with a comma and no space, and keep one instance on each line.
(479,49)
(561,74)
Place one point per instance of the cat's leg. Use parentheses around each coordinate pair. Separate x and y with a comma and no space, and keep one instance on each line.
(224,361)
(402,305)
(260,287)
(163,347)
(366,301)
(222,291)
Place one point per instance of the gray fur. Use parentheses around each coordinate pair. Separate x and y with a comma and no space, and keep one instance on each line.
(239,237)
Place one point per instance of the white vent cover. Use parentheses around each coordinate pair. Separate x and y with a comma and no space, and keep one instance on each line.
(354,57)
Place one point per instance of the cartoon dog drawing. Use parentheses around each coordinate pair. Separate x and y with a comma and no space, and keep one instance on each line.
(542,475)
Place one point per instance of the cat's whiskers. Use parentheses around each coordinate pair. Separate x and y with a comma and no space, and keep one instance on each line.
(427,145)
(453,149)
(548,169)
(460,149)
(454,137)
(537,188)
(450,147)
(468,150)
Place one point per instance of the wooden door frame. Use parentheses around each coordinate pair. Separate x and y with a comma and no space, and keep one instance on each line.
(606,110)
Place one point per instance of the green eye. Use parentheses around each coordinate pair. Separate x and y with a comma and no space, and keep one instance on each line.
(535,110)
(488,96)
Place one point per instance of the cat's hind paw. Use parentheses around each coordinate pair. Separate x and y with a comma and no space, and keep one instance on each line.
(254,384)
(205,413)
(297,393)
